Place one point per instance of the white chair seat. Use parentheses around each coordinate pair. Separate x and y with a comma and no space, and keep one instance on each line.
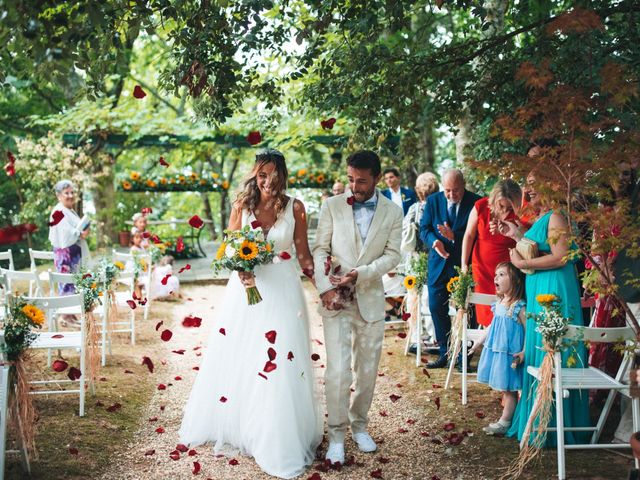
(99,310)
(64,339)
(583,379)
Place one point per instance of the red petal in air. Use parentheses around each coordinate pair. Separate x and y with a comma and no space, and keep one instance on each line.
(351,199)
(186,267)
(394,398)
(255,224)
(56,218)
(59,366)
(159,324)
(163,162)
(223,399)
(162,386)
(149,452)
(269,367)
(406,316)
(285,255)
(138,92)
(165,278)
(271,336)
(315,357)
(179,352)
(166,335)
(254,137)
(196,468)
(182,448)
(223,331)
(74,373)
(290,356)
(263,375)
(179,244)
(328,123)
(132,304)
(196,222)
(147,361)
(146,210)
(191,322)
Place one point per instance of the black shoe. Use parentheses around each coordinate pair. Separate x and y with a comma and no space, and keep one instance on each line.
(470,368)
(439,363)
(413,349)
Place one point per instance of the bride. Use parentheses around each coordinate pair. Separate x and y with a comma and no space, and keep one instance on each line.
(254,393)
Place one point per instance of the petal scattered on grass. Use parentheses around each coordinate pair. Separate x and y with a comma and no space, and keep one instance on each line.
(59,366)
(147,361)
(74,373)
(394,398)
(166,335)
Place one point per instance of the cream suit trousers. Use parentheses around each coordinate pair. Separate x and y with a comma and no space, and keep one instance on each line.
(353,348)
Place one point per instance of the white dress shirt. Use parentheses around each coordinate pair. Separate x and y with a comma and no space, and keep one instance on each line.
(363,217)
(396,197)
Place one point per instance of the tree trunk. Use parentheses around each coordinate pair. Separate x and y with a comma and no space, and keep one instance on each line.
(104,198)
(206,203)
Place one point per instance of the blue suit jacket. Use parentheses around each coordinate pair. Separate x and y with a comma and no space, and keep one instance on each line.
(409,197)
(435,213)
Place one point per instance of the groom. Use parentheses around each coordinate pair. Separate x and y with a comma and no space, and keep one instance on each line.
(357,241)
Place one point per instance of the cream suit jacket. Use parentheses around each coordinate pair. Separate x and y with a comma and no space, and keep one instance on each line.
(338,236)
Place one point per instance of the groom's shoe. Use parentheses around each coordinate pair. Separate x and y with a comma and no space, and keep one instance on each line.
(439,363)
(365,442)
(335,453)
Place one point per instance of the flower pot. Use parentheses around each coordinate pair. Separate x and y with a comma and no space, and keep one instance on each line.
(124,238)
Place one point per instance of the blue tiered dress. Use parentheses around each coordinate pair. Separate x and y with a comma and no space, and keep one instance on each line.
(504,339)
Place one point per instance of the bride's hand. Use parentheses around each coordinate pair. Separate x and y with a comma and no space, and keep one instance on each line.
(246,278)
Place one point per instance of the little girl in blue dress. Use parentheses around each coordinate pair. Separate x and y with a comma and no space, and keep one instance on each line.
(501,359)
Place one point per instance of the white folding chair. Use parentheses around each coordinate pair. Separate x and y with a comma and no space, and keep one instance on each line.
(416,327)
(60,340)
(7,257)
(126,278)
(586,378)
(40,255)
(145,277)
(4,394)
(14,276)
(467,334)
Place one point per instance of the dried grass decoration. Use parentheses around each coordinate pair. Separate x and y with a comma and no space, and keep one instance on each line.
(23,318)
(416,278)
(552,326)
(459,287)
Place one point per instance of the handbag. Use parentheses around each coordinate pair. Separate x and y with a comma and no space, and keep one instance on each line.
(527,249)
(409,240)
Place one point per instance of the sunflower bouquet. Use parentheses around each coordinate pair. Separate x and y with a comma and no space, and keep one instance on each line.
(18,330)
(416,272)
(459,287)
(243,250)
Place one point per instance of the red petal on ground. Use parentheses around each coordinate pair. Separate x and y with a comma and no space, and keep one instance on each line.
(192,452)
(402,430)
(406,316)
(149,452)
(179,352)
(480,414)
(376,473)
(159,324)
(223,399)
(223,331)
(56,218)
(162,386)
(58,336)
(315,357)
(114,408)
(455,439)
(271,336)
(402,335)
(196,468)
(179,245)
(255,224)
(177,378)
(132,304)
(99,404)
(426,372)
(424,434)
(290,356)
(269,367)
(162,408)
(285,255)
(383,460)
(383,413)
(186,267)
(153,419)
(315,476)
(59,366)
(449,426)
(233,462)
(381,374)
(73,451)
(182,448)
(196,222)
(166,335)
(437,402)
(192,322)
(394,398)
(159,430)
(263,375)
(351,199)
(435,477)
(165,278)
(175,455)
(138,92)
(435,385)
(147,361)
(271,353)
(254,137)
(74,373)
(128,371)
(410,421)
(163,162)
(195,368)
(318,341)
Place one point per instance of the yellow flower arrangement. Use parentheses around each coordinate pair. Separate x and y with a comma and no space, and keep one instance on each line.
(409,282)
(320,178)
(268,247)
(163,181)
(119,265)
(225,185)
(126,185)
(94,285)
(546,298)
(220,252)
(451,282)
(135,176)
(292,181)
(203,181)
(193,176)
(214,175)
(248,250)
(302,172)
(172,180)
(151,184)
(34,313)
(143,264)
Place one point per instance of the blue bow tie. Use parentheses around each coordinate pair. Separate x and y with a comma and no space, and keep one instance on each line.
(369,205)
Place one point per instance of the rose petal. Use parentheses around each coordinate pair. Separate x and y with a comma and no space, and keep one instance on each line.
(153,419)
(138,92)
(146,210)
(179,244)
(315,357)
(406,316)
(147,361)
(223,399)
(182,448)
(163,162)
(260,374)
(480,414)
(426,372)
(315,476)
(73,451)
(162,386)
(128,371)
(175,455)
(383,460)
(165,279)
(233,462)
(56,218)
(177,378)
(271,353)
(149,452)
(159,324)
(57,336)
(271,336)
(179,352)
(255,224)
(114,408)
(394,398)
(166,335)
(186,267)
(376,473)
(290,356)
(223,331)
(59,366)
(132,304)
(437,402)
(196,222)
(192,322)
(159,430)
(285,255)
(449,426)
(351,199)
(74,373)
(192,452)
(269,367)
(402,335)
(254,137)
(196,468)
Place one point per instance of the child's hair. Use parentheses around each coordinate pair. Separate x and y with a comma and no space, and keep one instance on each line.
(166,260)
(133,237)
(517,281)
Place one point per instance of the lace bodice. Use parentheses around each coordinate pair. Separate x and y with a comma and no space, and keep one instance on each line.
(281,233)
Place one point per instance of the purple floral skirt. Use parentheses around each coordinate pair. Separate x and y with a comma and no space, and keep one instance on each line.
(67,260)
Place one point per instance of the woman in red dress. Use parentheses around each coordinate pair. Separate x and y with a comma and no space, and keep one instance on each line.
(489,247)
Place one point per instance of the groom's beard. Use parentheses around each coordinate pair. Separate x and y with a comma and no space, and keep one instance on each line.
(364,196)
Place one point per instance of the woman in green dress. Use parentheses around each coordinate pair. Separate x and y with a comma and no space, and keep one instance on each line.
(554,274)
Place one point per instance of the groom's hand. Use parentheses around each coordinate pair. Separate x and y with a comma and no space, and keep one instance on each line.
(331,300)
(344,280)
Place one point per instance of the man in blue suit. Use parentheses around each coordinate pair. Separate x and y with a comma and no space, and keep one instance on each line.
(401,196)
(441,229)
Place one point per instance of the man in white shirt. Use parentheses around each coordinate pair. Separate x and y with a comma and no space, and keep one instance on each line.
(402,196)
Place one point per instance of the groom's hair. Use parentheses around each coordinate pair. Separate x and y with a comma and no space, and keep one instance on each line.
(365,160)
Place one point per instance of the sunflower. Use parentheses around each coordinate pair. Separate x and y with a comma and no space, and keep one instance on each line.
(546,298)
(302,172)
(151,184)
(135,176)
(267,247)
(225,185)
(126,185)
(34,314)
(193,176)
(143,264)
(451,284)
(214,175)
(220,252)
(409,282)
(320,178)
(292,180)
(94,285)
(119,265)
(248,250)
(163,181)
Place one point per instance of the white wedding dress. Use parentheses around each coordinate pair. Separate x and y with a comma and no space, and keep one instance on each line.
(276,419)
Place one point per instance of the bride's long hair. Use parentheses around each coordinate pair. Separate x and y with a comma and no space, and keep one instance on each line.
(249,197)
